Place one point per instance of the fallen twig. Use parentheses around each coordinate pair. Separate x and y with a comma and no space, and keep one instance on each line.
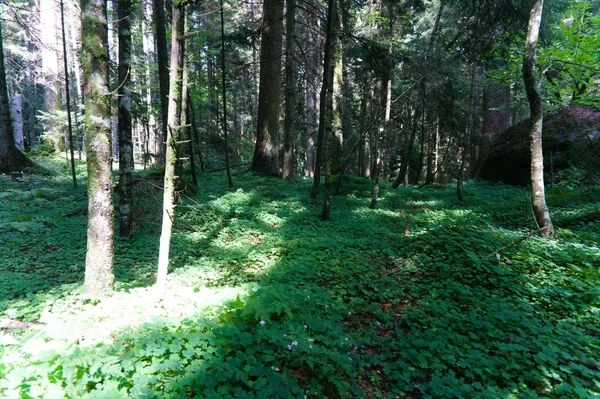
(5,324)
(504,248)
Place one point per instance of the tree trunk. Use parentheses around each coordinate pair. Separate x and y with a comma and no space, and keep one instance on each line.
(266,151)
(16,111)
(67,91)
(324,102)
(467,140)
(224,91)
(337,138)
(99,276)
(185,97)
(11,159)
(126,163)
(310,106)
(386,97)
(171,153)
(163,70)
(290,91)
(538,198)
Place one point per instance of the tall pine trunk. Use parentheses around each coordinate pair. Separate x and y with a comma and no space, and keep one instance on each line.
(163,70)
(290,91)
(99,276)
(538,197)
(126,164)
(266,151)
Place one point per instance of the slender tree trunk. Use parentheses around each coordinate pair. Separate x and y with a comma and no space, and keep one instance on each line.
(386,89)
(67,91)
(185,105)
(290,91)
(171,153)
(323,97)
(126,163)
(16,111)
(337,138)
(163,70)
(224,88)
(538,197)
(99,276)
(467,140)
(310,106)
(266,151)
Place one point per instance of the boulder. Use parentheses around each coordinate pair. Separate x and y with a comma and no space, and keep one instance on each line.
(508,159)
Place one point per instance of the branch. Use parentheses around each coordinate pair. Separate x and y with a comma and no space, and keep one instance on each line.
(504,248)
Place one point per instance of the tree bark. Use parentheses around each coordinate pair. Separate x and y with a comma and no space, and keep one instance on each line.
(467,140)
(266,151)
(171,152)
(310,105)
(11,159)
(224,91)
(67,91)
(126,163)
(185,100)
(542,215)
(163,70)
(290,91)
(324,99)
(99,276)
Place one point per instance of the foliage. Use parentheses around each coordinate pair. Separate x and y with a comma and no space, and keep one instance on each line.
(265,300)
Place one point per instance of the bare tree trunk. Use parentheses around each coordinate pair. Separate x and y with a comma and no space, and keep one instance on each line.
(310,106)
(224,88)
(290,92)
(67,91)
(163,70)
(538,197)
(126,163)
(171,153)
(266,150)
(185,105)
(467,140)
(17,115)
(386,97)
(324,99)
(99,276)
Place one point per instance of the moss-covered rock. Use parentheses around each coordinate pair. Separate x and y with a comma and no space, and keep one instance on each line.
(508,158)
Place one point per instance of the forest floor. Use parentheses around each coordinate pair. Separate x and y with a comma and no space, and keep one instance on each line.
(265,300)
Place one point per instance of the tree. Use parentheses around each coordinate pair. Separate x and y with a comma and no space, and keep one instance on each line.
(163,71)
(11,159)
(171,152)
(538,198)
(126,164)
(67,90)
(290,91)
(99,276)
(266,150)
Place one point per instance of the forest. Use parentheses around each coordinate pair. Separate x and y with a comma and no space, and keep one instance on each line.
(299,199)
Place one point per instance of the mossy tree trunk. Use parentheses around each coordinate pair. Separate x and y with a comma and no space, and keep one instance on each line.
(99,276)
(538,197)
(171,151)
(126,164)
(266,150)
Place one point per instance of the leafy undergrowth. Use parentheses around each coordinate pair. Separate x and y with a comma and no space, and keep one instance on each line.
(265,300)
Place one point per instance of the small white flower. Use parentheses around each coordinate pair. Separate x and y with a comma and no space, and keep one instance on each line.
(284,335)
(262,322)
(309,346)
(290,347)
(346,339)
(305,326)
(295,343)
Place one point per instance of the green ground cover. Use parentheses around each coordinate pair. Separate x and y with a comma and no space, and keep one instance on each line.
(265,300)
